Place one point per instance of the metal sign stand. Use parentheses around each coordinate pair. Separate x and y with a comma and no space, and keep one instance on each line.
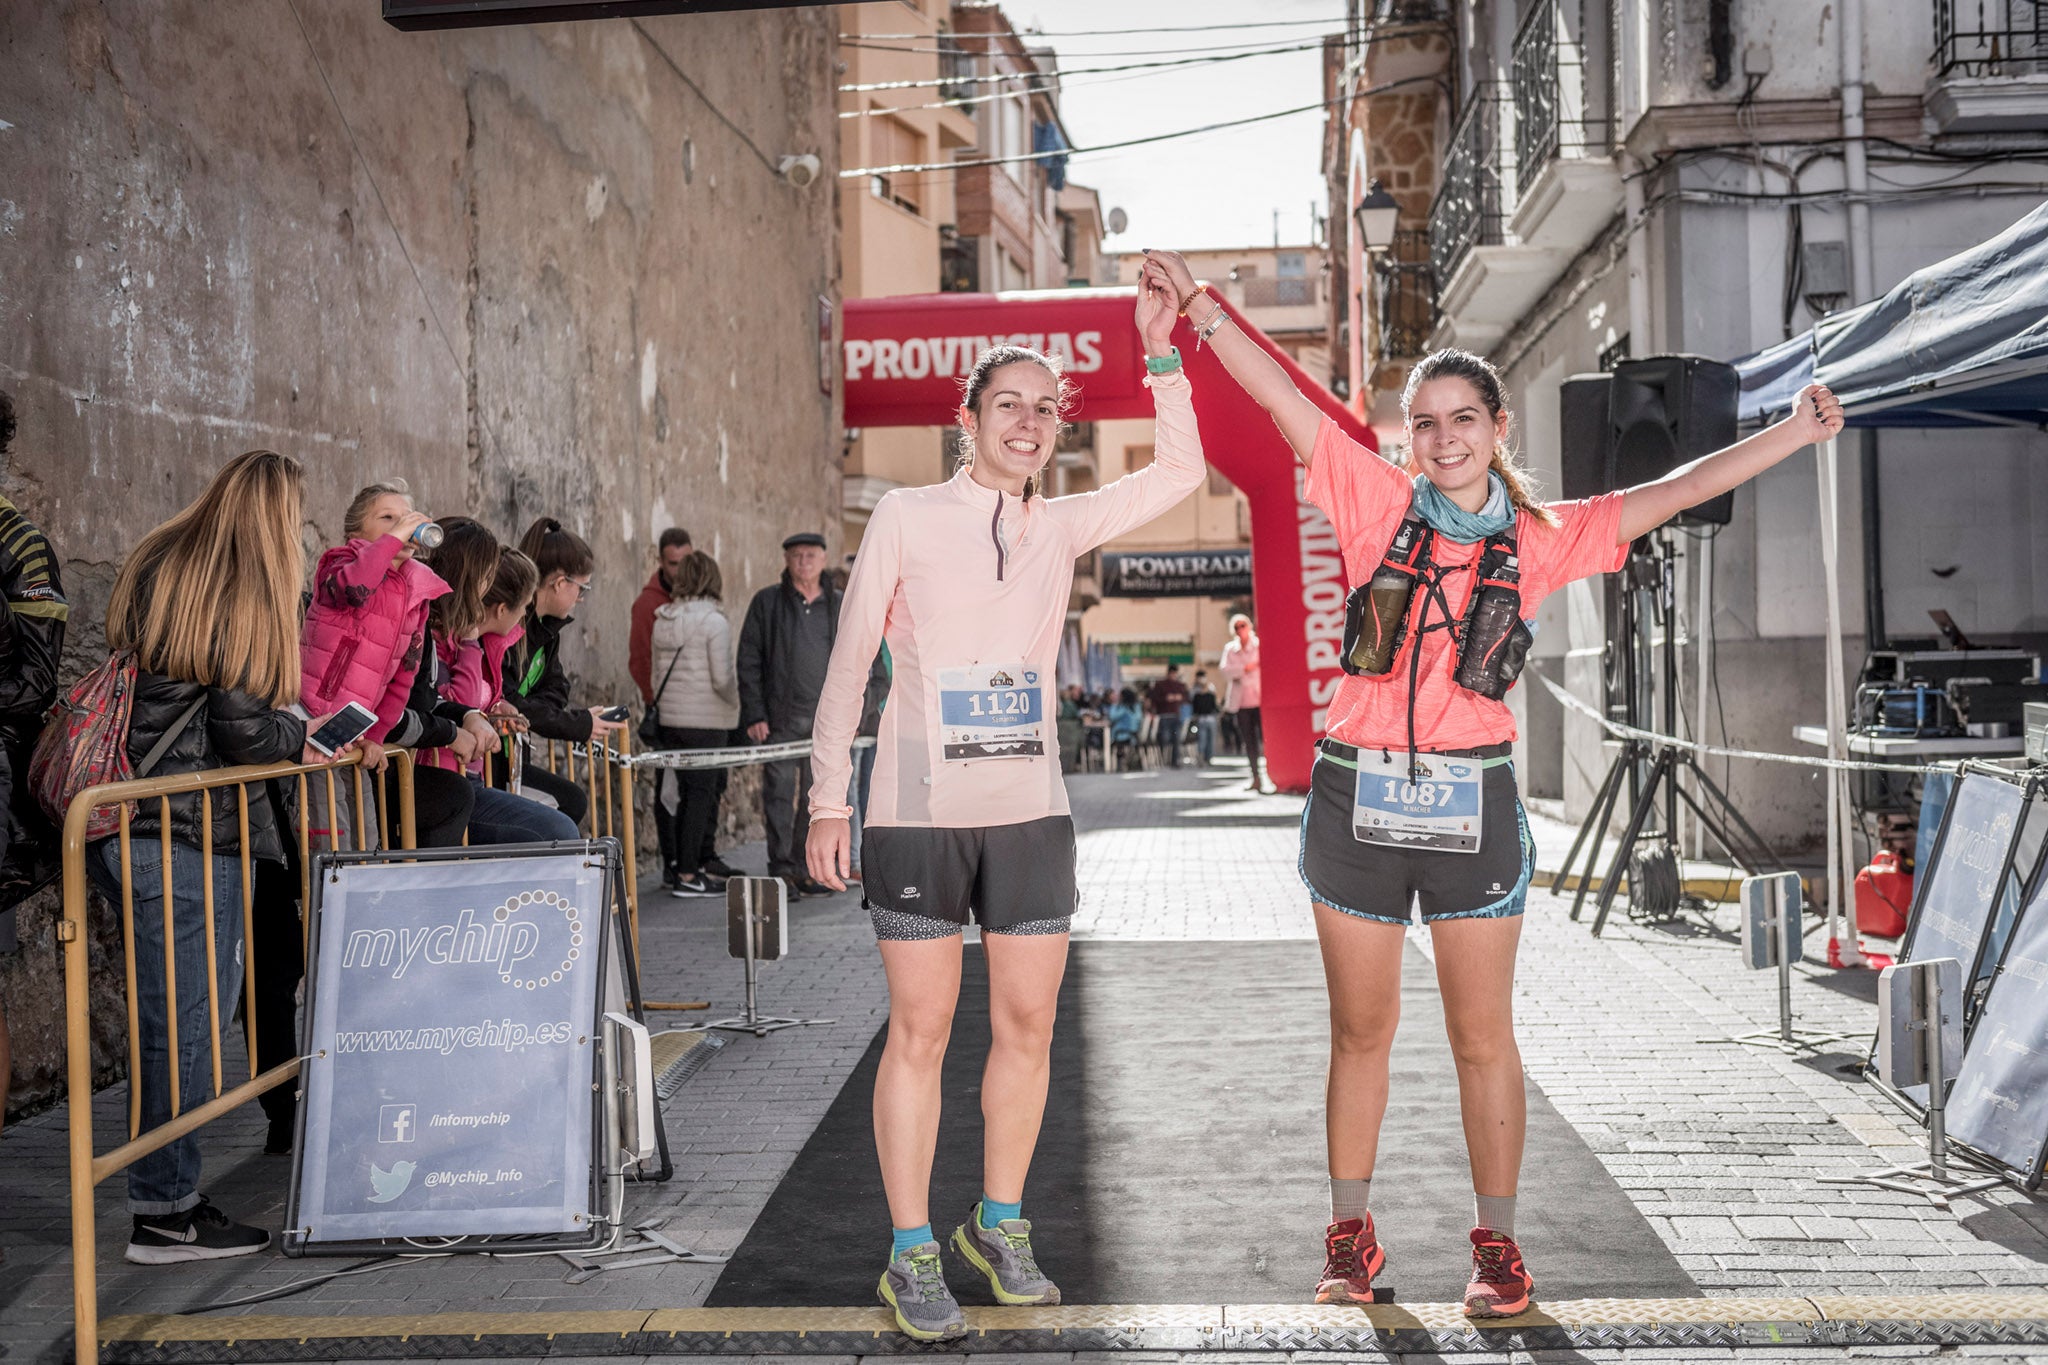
(644,1245)
(1771,910)
(1918,1038)
(757,920)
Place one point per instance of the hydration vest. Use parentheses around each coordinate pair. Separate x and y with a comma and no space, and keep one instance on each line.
(1493,639)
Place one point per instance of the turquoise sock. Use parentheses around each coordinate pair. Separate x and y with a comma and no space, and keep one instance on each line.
(906,1238)
(993,1212)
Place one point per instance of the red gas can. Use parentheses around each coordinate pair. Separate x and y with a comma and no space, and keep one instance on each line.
(1884,893)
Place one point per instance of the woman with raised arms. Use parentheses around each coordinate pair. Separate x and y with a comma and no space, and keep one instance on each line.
(968,581)
(1412,801)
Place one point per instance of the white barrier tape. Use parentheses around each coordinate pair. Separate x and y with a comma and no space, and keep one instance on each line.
(738,757)
(1800,760)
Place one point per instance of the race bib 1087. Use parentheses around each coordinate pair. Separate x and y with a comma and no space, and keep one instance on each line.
(1435,808)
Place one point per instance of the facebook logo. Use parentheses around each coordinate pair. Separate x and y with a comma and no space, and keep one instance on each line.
(397,1123)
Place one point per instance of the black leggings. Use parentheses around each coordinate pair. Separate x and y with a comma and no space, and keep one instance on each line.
(1252,734)
(686,831)
(441,803)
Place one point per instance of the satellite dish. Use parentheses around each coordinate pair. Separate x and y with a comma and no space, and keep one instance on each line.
(1118,221)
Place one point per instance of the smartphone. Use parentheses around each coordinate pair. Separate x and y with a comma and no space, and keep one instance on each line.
(615,713)
(343,729)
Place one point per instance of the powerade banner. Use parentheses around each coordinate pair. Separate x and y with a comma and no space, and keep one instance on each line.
(451,1049)
(1177,573)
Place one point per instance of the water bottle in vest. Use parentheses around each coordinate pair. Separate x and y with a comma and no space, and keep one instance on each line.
(1376,615)
(1496,638)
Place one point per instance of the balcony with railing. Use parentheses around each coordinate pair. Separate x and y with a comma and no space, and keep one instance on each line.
(1478,183)
(1404,299)
(1990,66)
(1571,188)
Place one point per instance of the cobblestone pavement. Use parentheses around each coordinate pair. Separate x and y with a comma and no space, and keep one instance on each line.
(1720,1146)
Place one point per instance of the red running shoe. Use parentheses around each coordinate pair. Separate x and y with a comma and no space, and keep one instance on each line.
(1501,1284)
(1352,1256)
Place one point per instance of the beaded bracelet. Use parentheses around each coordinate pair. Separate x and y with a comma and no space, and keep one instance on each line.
(1193,294)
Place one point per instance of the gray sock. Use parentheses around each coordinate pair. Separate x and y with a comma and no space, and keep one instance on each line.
(1348,1198)
(1496,1211)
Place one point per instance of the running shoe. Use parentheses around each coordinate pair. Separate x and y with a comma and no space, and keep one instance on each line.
(719,867)
(696,884)
(810,886)
(1003,1253)
(200,1233)
(1352,1255)
(1501,1284)
(914,1286)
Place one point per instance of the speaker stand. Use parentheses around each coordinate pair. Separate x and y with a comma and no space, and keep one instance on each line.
(1737,838)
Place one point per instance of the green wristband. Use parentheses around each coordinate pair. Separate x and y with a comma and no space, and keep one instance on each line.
(1163,364)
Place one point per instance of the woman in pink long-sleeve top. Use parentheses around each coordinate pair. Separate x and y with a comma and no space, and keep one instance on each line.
(968,582)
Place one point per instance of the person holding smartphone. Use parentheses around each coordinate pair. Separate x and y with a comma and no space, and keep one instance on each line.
(209,603)
(536,685)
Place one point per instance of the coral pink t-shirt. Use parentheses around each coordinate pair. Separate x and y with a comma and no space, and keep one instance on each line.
(1365,498)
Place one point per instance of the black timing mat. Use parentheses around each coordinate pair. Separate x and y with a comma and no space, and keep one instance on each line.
(1182,1155)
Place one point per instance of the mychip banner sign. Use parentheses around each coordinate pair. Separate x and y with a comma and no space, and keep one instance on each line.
(1177,573)
(450,1049)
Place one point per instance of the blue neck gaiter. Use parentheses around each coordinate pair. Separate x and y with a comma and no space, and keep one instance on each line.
(1434,506)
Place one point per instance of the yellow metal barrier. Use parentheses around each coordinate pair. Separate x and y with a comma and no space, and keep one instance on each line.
(609,780)
(88,1168)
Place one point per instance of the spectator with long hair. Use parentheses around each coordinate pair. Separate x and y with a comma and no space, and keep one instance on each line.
(535,682)
(473,651)
(209,603)
(697,703)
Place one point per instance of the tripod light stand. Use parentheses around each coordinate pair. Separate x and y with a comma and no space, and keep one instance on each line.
(1653,573)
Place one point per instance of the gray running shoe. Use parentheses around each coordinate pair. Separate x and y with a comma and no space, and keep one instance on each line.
(1003,1253)
(915,1286)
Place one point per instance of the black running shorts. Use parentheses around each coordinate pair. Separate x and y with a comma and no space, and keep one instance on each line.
(1005,875)
(1375,882)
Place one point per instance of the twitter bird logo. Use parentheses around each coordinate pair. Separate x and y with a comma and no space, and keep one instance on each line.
(392,1183)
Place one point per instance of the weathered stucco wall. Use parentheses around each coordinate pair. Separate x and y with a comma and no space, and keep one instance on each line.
(531,270)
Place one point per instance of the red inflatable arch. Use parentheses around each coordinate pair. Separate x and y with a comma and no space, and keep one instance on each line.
(904,358)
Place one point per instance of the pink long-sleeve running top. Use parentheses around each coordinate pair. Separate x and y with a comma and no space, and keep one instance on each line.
(970,586)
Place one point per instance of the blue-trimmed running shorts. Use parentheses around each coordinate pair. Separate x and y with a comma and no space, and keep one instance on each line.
(1375,882)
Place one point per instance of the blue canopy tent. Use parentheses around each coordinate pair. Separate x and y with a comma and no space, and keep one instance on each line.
(1962,343)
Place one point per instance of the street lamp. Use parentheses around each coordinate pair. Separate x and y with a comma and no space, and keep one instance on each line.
(1377,215)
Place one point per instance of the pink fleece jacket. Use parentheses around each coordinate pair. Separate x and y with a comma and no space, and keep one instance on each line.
(476,679)
(361,638)
(956,577)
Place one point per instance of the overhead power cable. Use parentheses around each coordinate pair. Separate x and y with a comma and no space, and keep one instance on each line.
(1077,71)
(1138,141)
(963,44)
(1336,20)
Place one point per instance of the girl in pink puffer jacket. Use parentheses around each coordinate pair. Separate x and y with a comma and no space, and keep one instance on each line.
(362,635)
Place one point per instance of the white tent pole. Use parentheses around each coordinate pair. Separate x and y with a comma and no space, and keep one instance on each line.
(1703,655)
(1841,933)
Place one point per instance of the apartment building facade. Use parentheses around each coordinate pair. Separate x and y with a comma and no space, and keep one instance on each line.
(1582,181)
(1001,219)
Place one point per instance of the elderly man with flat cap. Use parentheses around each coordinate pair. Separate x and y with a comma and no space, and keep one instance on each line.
(785,645)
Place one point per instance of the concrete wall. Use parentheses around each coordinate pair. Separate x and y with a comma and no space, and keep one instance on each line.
(530,269)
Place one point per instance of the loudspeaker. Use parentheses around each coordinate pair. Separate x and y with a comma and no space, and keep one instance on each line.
(1664,411)
(1644,420)
(1582,451)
